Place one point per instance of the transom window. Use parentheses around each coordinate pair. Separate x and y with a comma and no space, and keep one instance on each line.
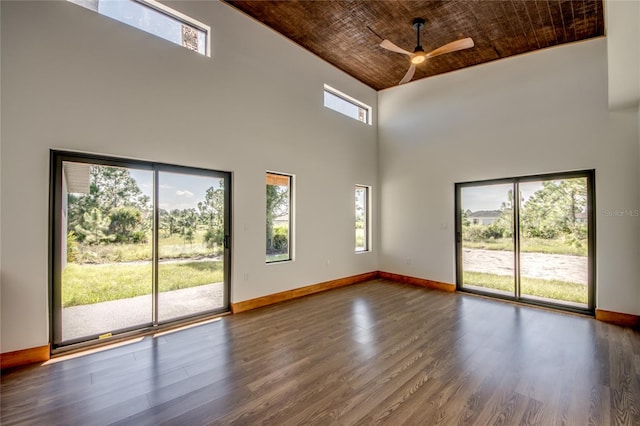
(155,18)
(346,105)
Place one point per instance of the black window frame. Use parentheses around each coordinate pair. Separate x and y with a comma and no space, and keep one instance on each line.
(591,248)
(57,158)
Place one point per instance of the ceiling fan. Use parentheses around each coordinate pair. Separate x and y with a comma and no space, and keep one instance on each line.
(419,56)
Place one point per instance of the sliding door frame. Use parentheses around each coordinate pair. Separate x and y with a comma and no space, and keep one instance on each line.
(515,182)
(57,158)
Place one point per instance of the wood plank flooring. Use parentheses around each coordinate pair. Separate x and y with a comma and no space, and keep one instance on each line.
(372,353)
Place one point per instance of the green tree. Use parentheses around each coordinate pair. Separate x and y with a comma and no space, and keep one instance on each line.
(212,215)
(465,217)
(94,228)
(169,221)
(109,188)
(72,247)
(277,205)
(126,224)
(187,224)
(114,187)
(503,227)
(552,211)
(360,210)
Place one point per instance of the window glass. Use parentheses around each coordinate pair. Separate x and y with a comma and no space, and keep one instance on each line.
(278,217)
(154,18)
(136,244)
(344,104)
(362,218)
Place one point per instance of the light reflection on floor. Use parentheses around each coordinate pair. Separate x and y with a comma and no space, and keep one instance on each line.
(364,330)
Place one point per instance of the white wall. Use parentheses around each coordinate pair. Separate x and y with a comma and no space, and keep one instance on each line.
(622,19)
(537,113)
(74,80)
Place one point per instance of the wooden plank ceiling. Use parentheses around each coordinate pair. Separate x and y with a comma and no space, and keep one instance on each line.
(347,34)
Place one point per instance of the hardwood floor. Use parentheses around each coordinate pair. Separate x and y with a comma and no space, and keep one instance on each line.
(372,353)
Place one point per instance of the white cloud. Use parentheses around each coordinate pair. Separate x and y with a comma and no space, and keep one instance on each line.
(184,193)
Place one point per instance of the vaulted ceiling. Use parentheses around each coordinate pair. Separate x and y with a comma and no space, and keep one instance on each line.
(347,34)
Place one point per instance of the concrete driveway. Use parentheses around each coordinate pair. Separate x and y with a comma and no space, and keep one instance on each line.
(86,320)
(533,265)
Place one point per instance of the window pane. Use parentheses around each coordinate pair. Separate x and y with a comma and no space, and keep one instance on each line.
(528,238)
(278,217)
(362,218)
(134,244)
(190,244)
(106,248)
(486,213)
(554,258)
(340,103)
(150,20)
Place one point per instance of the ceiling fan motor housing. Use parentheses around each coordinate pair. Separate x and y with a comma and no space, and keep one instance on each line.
(418,56)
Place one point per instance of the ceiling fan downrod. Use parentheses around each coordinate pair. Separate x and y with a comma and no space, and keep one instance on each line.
(418,24)
(418,56)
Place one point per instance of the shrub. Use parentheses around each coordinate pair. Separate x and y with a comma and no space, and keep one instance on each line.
(492,232)
(213,237)
(72,247)
(472,233)
(139,237)
(280,242)
(540,231)
(280,239)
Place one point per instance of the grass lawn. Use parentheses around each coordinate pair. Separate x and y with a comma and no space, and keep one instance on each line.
(277,257)
(87,284)
(550,289)
(170,247)
(530,245)
(360,236)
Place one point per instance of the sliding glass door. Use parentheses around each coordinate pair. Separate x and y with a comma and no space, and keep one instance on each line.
(487,244)
(537,247)
(554,241)
(104,250)
(134,245)
(191,242)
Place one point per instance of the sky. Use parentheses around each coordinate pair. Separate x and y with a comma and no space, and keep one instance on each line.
(147,19)
(491,197)
(176,190)
(336,103)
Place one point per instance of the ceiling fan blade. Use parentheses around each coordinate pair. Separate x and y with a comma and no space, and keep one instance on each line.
(409,75)
(464,43)
(386,44)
